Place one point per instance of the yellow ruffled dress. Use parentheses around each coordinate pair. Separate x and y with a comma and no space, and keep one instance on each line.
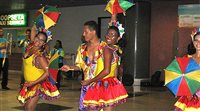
(46,90)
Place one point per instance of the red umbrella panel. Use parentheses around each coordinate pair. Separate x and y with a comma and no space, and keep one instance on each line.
(53,68)
(182,76)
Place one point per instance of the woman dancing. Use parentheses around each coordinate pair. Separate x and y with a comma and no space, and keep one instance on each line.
(192,103)
(36,73)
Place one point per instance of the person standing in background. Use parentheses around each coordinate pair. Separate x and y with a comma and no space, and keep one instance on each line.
(58,49)
(23,43)
(4,60)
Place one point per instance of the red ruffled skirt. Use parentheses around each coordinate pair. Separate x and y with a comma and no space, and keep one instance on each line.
(104,93)
(188,104)
(45,90)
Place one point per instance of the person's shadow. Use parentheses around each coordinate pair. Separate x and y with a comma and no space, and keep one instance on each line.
(47,107)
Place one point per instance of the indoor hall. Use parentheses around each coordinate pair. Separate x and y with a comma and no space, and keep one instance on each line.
(140,98)
(156,32)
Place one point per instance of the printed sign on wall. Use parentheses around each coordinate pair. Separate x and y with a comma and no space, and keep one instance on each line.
(189,15)
(13,19)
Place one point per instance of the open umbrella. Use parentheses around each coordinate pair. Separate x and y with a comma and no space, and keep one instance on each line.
(53,68)
(118,6)
(46,17)
(182,76)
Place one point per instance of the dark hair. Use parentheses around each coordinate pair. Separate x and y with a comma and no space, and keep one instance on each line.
(198,33)
(59,44)
(43,34)
(114,28)
(28,30)
(92,25)
(191,49)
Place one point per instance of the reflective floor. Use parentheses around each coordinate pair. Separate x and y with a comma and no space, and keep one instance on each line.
(140,98)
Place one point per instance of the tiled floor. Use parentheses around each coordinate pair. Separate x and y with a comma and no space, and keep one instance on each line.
(140,98)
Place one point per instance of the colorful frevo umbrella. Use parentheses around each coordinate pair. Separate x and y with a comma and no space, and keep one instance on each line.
(118,6)
(182,76)
(53,68)
(46,17)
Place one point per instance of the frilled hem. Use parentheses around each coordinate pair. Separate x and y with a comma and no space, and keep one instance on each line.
(99,106)
(188,104)
(45,91)
(104,93)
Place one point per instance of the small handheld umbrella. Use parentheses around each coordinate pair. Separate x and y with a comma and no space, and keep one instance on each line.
(118,6)
(46,17)
(182,76)
(53,68)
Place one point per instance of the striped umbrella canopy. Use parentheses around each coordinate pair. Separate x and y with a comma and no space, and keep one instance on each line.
(118,6)
(182,76)
(53,68)
(46,17)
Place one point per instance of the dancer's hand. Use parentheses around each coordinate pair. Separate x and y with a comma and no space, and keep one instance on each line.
(34,27)
(85,82)
(3,51)
(65,68)
(124,13)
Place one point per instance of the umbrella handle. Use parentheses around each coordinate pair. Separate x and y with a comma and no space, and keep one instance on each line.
(4,59)
(68,69)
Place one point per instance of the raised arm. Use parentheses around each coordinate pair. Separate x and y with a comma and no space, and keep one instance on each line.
(33,33)
(70,68)
(113,18)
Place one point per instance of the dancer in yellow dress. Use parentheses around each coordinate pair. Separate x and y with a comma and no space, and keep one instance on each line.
(191,103)
(105,90)
(102,89)
(37,84)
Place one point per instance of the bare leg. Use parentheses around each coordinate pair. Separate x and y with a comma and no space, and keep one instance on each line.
(31,104)
(108,108)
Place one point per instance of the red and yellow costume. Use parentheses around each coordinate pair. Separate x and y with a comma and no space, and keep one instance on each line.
(108,91)
(88,66)
(45,89)
(188,103)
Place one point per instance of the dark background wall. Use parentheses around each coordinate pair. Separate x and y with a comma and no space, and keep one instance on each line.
(137,50)
(165,34)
